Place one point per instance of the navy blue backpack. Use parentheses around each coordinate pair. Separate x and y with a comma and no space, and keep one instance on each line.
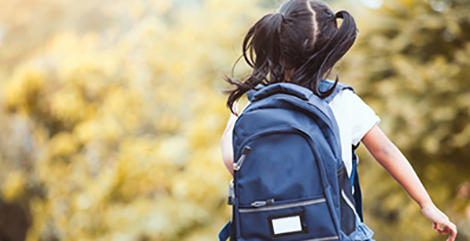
(290,182)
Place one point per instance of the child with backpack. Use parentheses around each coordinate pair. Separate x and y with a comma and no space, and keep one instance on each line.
(291,150)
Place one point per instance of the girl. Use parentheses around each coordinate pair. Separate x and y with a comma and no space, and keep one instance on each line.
(300,44)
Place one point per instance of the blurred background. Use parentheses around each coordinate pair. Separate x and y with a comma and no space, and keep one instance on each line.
(111,114)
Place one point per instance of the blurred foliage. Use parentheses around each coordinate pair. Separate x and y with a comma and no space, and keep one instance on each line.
(111,113)
(113,133)
(410,65)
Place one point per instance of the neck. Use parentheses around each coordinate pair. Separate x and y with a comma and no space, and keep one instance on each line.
(288,74)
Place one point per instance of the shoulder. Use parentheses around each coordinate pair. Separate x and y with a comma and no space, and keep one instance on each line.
(343,98)
(349,105)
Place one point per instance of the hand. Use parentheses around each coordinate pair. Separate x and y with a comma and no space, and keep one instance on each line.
(441,222)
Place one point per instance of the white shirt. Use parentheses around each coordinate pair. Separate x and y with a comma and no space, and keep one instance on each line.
(355,118)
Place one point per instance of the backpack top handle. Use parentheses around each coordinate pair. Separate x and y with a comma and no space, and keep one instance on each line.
(283,88)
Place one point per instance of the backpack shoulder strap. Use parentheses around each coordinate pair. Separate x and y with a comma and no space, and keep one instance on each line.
(356,185)
(327,84)
(251,93)
(224,234)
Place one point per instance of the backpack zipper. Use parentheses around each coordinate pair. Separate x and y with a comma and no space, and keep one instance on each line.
(237,165)
(281,206)
(258,204)
(231,194)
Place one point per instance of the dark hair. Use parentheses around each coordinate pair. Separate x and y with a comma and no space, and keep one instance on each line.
(302,36)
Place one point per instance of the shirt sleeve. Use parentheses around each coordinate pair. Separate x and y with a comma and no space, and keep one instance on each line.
(363,117)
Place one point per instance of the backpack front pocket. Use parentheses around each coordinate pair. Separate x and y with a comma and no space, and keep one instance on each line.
(302,219)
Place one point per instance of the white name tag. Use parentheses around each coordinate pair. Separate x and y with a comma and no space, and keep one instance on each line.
(286,225)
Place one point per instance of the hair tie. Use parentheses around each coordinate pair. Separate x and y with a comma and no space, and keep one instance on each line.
(280,14)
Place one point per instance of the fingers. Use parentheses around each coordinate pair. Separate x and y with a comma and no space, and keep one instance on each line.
(446,228)
(441,222)
(453,232)
(443,231)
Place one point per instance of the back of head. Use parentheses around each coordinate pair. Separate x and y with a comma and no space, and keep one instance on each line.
(302,38)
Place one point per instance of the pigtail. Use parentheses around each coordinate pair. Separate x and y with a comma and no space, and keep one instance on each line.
(321,62)
(339,45)
(261,51)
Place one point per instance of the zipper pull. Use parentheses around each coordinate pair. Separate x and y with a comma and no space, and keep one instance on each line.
(258,204)
(237,165)
(231,193)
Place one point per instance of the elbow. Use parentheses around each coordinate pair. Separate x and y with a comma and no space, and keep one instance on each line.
(381,148)
(386,151)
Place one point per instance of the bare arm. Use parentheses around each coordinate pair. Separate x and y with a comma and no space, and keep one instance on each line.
(226,143)
(391,158)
